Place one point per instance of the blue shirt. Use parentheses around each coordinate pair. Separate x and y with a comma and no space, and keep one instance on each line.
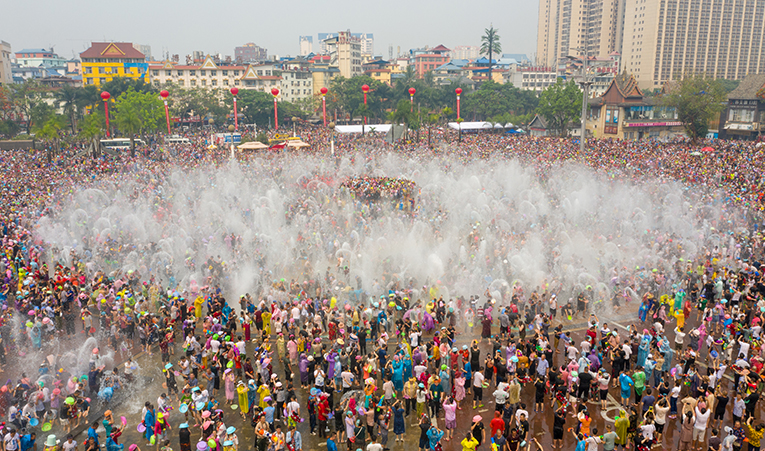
(269,411)
(92,433)
(331,446)
(27,442)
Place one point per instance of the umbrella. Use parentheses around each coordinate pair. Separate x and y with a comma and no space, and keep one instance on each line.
(252,145)
(696,154)
(707,149)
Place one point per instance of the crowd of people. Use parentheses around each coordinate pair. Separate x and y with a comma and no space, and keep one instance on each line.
(297,359)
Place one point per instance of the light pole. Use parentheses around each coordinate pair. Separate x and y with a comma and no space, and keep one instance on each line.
(105,97)
(411,97)
(585,94)
(458,91)
(365,90)
(324,104)
(234,92)
(164,94)
(275,93)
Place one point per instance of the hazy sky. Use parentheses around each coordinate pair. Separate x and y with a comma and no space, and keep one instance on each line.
(182,26)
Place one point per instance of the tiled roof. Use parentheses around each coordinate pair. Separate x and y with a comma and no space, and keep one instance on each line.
(112,50)
(747,89)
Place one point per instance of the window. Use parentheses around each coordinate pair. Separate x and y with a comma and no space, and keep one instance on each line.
(225,73)
(182,82)
(213,72)
(180,73)
(204,82)
(236,73)
(168,73)
(225,81)
(214,82)
(202,72)
(193,73)
(155,73)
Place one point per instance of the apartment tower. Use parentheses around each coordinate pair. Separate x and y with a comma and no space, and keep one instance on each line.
(567,25)
(666,39)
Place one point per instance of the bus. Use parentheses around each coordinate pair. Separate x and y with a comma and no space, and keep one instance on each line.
(120,143)
(175,139)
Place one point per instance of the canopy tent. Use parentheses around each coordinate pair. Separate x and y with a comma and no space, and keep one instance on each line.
(252,145)
(297,144)
(371,128)
(483,125)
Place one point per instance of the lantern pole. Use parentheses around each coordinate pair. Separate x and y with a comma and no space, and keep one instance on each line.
(324,104)
(234,92)
(105,97)
(164,94)
(275,93)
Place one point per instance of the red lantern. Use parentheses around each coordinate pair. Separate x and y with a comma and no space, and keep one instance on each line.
(164,94)
(412,91)
(234,91)
(365,88)
(458,91)
(324,91)
(105,96)
(274,92)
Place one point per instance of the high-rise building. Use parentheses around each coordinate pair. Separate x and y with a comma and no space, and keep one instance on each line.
(667,39)
(6,75)
(145,49)
(367,41)
(465,52)
(567,25)
(345,53)
(306,45)
(250,53)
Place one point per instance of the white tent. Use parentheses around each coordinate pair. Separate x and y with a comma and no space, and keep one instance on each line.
(252,145)
(371,128)
(297,144)
(478,126)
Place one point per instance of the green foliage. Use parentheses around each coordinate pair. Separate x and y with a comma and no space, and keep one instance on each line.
(138,112)
(697,100)
(728,85)
(262,137)
(92,126)
(493,99)
(346,95)
(120,85)
(39,114)
(560,104)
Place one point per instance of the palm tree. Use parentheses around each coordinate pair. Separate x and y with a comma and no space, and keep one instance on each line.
(129,122)
(68,98)
(490,44)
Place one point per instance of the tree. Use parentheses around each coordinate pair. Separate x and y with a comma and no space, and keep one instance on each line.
(696,99)
(138,112)
(492,99)
(560,104)
(26,96)
(92,127)
(490,44)
(68,98)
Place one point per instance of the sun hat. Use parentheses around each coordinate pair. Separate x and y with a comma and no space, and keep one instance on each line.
(477,418)
(51,440)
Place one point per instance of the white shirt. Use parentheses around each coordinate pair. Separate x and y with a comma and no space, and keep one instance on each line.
(478,379)
(702,419)
(69,446)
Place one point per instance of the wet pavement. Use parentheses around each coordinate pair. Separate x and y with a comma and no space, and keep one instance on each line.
(150,387)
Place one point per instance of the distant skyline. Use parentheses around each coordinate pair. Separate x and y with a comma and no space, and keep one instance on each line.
(181,27)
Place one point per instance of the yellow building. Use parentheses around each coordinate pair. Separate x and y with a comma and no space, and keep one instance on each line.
(104,61)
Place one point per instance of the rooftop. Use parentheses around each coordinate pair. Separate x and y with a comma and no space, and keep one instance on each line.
(748,88)
(112,50)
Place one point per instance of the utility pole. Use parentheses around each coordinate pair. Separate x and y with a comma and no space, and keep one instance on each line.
(585,82)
